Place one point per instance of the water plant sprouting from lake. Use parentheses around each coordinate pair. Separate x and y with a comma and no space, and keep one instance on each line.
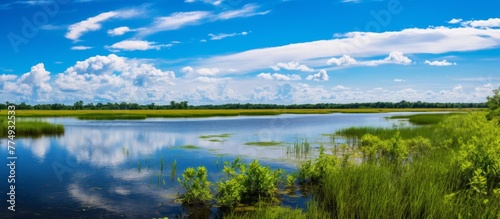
(298,149)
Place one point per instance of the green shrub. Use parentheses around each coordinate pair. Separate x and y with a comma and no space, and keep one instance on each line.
(246,184)
(197,186)
(314,171)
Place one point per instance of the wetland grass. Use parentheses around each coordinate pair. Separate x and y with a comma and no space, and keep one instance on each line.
(299,149)
(173,171)
(264,143)
(139,114)
(31,128)
(424,119)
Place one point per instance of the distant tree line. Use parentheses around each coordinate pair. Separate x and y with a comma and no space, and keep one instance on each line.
(80,105)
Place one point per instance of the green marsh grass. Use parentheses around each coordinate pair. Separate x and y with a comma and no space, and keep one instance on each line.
(99,114)
(386,133)
(424,119)
(264,143)
(31,128)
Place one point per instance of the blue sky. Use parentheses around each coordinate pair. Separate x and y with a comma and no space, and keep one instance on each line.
(227,51)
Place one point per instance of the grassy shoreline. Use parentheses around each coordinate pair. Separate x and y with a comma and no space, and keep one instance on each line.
(142,114)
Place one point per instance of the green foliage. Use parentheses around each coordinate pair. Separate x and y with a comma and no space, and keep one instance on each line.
(314,171)
(197,186)
(246,184)
(478,156)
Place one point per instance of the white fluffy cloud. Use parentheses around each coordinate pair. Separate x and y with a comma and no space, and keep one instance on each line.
(32,86)
(279,77)
(439,63)
(490,23)
(291,66)
(114,78)
(187,69)
(393,58)
(455,21)
(344,60)
(398,80)
(119,31)
(320,76)
(130,45)
(75,31)
(5,77)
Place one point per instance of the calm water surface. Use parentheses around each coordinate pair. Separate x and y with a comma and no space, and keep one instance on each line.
(92,170)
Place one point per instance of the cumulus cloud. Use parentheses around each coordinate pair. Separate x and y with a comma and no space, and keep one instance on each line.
(291,66)
(393,58)
(439,63)
(113,78)
(75,31)
(5,77)
(221,36)
(344,60)
(490,23)
(120,31)
(187,69)
(81,47)
(458,88)
(320,76)
(455,21)
(131,45)
(32,86)
(279,77)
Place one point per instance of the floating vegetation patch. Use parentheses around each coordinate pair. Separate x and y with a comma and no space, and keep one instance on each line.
(264,143)
(216,140)
(226,135)
(190,147)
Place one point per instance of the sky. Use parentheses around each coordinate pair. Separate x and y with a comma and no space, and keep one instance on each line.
(237,51)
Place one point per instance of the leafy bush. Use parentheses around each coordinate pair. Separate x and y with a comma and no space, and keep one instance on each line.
(314,171)
(246,183)
(478,156)
(197,186)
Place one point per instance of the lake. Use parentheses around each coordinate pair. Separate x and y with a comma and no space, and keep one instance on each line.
(112,169)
